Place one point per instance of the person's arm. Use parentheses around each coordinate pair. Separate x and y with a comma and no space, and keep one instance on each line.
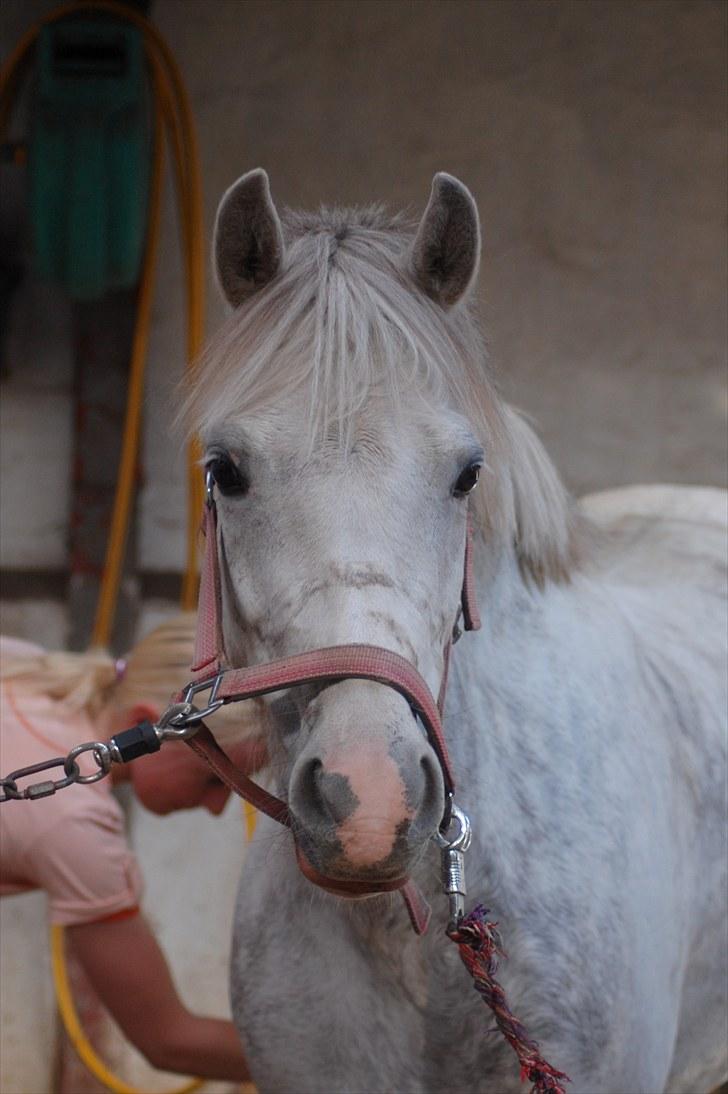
(128,971)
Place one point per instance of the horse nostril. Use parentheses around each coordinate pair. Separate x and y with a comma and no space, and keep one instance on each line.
(311,786)
(308,800)
(320,796)
(429,801)
(428,770)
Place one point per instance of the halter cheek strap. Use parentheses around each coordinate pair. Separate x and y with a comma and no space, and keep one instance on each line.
(468,599)
(209,651)
(355,661)
(209,656)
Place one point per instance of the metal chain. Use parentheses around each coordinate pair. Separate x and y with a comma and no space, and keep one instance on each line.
(179,721)
(100,752)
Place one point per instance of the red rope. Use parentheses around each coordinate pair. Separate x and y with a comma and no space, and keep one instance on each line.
(477,940)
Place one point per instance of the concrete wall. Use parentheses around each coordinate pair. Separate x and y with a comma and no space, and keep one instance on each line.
(592,134)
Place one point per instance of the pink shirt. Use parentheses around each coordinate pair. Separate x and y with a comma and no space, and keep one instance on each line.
(72,844)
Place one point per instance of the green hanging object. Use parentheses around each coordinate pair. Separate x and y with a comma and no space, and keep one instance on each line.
(89,155)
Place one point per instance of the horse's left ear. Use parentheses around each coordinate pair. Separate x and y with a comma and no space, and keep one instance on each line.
(248,239)
(446,250)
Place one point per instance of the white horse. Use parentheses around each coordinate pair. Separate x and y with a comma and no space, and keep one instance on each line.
(346,410)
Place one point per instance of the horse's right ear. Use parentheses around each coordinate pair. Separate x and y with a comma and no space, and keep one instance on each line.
(446,250)
(248,239)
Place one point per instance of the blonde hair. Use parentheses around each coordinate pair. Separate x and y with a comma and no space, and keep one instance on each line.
(159,664)
(155,668)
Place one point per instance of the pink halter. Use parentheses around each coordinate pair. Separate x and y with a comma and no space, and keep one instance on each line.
(357,661)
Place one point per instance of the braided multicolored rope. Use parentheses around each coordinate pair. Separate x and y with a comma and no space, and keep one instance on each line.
(478,941)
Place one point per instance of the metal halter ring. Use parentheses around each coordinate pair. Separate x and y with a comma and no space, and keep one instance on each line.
(213,703)
(183,719)
(461,842)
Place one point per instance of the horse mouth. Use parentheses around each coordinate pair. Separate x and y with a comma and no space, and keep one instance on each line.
(352,888)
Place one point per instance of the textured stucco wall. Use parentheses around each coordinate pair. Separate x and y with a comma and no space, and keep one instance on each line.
(593,136)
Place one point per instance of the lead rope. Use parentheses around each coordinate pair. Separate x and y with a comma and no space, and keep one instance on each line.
(478,943)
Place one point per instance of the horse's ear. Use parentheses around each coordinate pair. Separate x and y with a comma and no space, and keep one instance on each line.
(446,250)
(248,239)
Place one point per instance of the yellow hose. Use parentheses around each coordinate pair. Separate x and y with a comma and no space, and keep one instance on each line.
(75,1033)
(123,499)
(250,816)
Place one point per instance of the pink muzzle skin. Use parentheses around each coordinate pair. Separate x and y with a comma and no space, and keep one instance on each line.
(356,661)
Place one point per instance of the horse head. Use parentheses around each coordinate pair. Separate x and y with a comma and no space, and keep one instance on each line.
(331,406)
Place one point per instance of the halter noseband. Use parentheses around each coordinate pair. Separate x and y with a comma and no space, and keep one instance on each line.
(355,661)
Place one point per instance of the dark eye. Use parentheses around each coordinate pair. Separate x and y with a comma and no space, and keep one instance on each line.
(467,480)
(228,478)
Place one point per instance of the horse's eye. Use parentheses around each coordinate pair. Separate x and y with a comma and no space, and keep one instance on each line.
(228,478)
(467,480)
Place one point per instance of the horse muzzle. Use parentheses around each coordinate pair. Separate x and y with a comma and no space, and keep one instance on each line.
(364,799)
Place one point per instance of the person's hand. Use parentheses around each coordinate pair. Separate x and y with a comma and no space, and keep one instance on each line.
(175,778)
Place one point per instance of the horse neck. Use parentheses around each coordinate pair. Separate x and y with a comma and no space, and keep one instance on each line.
(507,685)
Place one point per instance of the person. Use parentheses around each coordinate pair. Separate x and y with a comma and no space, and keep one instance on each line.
(73,844)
